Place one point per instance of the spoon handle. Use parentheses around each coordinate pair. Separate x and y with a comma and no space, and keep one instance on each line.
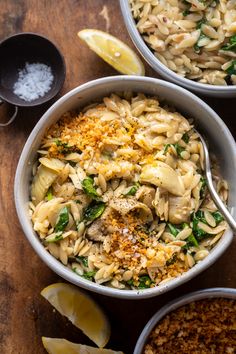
(219,203)
(215,196)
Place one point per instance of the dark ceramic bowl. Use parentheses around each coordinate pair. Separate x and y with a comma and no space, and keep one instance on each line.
(22,48)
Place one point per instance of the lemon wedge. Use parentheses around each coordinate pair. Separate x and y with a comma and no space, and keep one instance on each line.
(80,309)
(113,51)
(63,346)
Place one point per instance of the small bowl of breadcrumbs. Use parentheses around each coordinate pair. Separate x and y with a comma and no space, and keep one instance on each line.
(202,322)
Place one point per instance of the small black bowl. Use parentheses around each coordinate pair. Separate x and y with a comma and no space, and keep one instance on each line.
(22,48)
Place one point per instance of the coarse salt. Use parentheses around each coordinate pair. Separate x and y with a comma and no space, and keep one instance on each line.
(34,81)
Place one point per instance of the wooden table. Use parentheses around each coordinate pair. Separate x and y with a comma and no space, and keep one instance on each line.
(24,315)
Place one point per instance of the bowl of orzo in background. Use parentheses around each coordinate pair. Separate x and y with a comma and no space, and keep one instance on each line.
(191,43)
(201,321)
(112,196)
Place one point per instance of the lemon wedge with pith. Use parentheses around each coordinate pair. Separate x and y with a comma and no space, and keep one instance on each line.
(80,309)
(113,51)
(63,346)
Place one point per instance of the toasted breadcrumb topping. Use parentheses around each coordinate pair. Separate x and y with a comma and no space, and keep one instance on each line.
(201,327)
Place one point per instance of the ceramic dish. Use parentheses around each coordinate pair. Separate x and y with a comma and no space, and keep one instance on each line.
(210,293)
(164,71)
(206,120)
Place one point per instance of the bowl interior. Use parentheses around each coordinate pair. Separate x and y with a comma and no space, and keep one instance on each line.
(220,139)
(30,48)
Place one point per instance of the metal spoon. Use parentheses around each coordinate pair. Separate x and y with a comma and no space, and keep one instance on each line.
(215,196)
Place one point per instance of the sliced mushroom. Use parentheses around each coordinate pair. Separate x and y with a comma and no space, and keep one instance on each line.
(124,206)
(94,231)
(162,175)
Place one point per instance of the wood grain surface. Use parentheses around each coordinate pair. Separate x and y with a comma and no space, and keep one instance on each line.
(24,315)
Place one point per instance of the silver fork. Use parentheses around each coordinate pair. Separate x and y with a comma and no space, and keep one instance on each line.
(215,196)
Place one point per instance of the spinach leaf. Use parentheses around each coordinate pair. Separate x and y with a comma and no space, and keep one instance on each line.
(218,217)
(172,260)
(177,147)
(199,215)
(185,138)
(173,229)
(54,238)
(231,70)
(190,242)
(197,231)
(203,187)
(49,194)
(196,45)
(231,46)
(62,220)
(93,211)
(133,189)
(83,260)
(186,12)
(144,282)
(89,275)
(184,225)
(200,23)
(89,189)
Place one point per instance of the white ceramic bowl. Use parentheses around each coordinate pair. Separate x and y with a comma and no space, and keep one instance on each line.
(210,293)
(187,103)
(164,71)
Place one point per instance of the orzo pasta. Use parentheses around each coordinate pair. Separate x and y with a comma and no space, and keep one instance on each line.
(194,38)
(118,193)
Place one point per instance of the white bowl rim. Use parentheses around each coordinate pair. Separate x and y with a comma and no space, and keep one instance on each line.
(158,66)
(56,265)
(229,293)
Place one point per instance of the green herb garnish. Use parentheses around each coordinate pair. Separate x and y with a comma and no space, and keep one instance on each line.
(62,220)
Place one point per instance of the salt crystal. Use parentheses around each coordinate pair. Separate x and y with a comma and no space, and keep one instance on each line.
(34,81)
